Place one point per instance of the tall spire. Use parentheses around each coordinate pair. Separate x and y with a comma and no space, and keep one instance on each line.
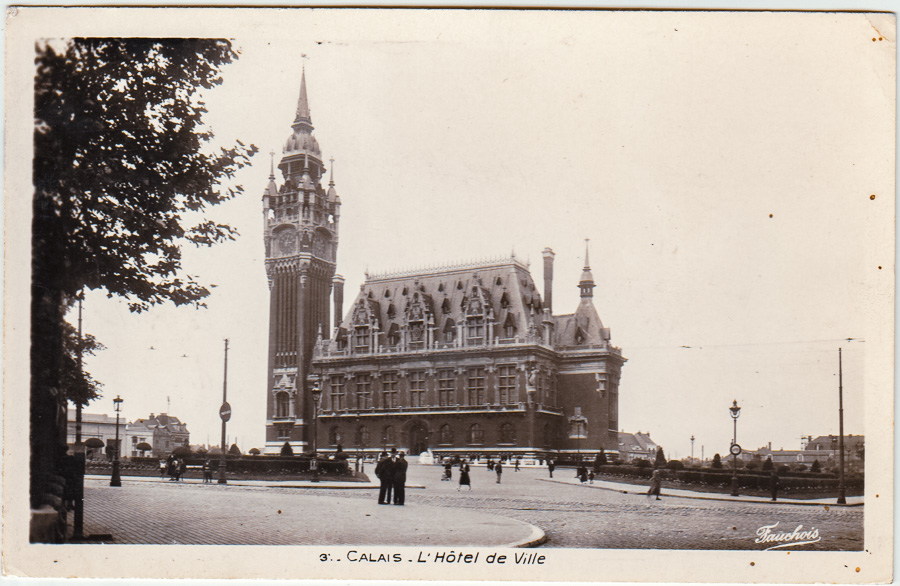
(587,279)
(331,172)
(272,165)
(303,102)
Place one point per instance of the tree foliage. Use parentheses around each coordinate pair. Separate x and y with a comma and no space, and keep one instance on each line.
(234,450)
(767,465)
(121,159)
(79,386)
(660,457)
(287,450)
(717,461)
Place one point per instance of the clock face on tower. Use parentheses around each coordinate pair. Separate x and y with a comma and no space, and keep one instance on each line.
(287,242)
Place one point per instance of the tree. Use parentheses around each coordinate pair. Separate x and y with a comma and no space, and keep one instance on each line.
(717,461)
(182,451)
(601,458)
(660,457)
(254,451)
(143,447)
(767,465)
(675,465)
(234,450)
(78,385)
(121,159)
(816,467)
(287,450)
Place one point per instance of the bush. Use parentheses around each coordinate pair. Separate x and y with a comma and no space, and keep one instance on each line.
(660,457)
(717,461)
(767,465)
(287,450)
(752,465)
(675,465)
(783,469)
(642,463)
(254,451)
(816,467)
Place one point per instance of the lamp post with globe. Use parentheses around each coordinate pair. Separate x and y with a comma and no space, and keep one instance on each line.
(735,448)
(116,480)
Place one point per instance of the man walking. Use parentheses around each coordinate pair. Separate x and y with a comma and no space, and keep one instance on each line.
(400,479)
(550,467)
(498,468)
(385,473)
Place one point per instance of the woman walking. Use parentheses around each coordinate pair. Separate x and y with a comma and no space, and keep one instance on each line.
(655,485)
(464,476)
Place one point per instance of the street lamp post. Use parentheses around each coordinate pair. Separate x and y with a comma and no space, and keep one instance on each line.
(842,495)
(735,448)
(316,395)
(116,480)
(692,450)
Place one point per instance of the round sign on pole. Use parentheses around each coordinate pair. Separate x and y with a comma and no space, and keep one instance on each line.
(225,411)
(735,450)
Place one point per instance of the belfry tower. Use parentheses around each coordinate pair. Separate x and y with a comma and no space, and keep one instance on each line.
(301,221)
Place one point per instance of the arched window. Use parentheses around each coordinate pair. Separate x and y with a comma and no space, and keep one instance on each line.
(363,433)
(282,404)
(334,436)
(446,434)
(507,433)
(388,435)
(476,434)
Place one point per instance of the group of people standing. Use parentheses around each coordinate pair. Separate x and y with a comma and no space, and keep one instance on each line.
(391,472)
(174,467)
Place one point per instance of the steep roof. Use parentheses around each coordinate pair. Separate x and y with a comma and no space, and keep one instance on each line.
(501,291)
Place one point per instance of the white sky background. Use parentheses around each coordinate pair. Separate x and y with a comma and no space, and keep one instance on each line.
(668,139)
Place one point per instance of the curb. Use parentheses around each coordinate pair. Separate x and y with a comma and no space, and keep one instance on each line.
(707,498)
(536,538)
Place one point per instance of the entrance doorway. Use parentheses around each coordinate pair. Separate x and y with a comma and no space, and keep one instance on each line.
(418,439)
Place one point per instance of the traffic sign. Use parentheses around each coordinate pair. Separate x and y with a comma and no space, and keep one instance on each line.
(225,411)
(735,450)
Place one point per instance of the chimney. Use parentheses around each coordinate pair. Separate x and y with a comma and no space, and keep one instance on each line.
(338,282)
(548,279)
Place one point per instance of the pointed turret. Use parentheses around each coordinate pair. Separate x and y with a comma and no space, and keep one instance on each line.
(587,279)
(303,102)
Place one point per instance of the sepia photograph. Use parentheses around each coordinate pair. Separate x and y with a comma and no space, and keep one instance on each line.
(505,295)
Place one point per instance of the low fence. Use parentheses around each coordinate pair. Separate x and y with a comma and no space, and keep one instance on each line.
(251,465)
(809,481)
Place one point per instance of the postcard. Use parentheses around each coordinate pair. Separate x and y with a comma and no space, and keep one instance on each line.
(449,294)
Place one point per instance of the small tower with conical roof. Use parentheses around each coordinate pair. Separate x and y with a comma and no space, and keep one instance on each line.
(301,237)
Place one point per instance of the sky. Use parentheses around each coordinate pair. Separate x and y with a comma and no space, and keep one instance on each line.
(734,174)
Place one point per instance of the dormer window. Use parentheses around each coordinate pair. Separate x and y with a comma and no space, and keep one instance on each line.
(445,306)
(363,339)
(392,311)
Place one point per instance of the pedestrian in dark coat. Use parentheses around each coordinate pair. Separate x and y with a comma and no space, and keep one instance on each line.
(464,476)
(655,484)
(400,466)
(550,467)
(490,464)
(773,485)
(591,476)
(385,473)
(207,472)
(498,468)
(170,467)
(182,468)
(517,464)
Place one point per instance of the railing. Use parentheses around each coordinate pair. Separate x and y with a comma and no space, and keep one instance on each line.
(421,348)
(514,407)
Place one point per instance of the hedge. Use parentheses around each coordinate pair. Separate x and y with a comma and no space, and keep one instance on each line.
(746,478)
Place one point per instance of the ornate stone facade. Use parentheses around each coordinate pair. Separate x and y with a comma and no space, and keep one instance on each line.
(301,236)
(462,359)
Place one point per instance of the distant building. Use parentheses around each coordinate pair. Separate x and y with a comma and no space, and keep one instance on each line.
(823,448)
(636,446)
(163,432)
(95,425)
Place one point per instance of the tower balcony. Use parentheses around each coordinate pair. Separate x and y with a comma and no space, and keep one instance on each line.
(436,410)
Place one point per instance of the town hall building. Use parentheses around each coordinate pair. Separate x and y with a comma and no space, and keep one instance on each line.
(464,359)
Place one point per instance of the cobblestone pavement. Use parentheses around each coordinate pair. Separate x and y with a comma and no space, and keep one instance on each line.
(571,515)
